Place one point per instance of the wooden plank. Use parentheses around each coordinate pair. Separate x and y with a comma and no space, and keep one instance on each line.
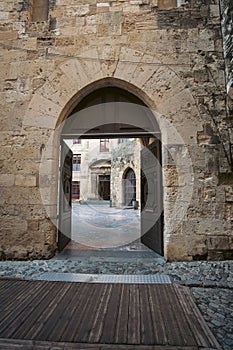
(158,322)
(11,317)
(44,317)
(56,311)
(24,320)
(72,320)
(134,316)
(79,310)
(65,315)
(111,315)
(121,331)
(6,288)
(201,332)
(109,322)
(146,310)
(100,318)
(85,327)
(184,332)
(48,317)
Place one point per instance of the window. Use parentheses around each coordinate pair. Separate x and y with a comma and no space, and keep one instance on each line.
(76,142)
(77,162)
(76,190)
(39,10)
(104,145)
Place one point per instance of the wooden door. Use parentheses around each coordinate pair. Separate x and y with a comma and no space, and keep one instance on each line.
(65,200)
(151,198)
(130,187)
(104,187)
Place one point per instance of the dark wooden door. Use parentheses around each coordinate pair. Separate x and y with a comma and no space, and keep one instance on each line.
(104,187)
(151,198)
(65,201)
(130,187)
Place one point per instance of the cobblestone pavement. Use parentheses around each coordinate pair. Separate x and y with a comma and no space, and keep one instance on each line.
(210,282)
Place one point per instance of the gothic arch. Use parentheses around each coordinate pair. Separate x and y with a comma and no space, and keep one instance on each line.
(129,183)
(158,86)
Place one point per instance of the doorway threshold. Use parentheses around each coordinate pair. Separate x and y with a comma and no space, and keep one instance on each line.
(109,254)
(102,278)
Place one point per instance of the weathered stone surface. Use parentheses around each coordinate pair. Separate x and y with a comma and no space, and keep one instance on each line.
(167,53)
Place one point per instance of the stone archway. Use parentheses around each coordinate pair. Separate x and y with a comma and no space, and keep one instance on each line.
(155,85)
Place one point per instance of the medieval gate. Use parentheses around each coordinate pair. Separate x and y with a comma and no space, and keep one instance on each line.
(113,112)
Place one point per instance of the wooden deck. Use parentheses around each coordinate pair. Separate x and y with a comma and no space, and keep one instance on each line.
(100,316)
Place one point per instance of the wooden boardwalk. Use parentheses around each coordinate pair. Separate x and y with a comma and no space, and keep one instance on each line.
(70,315)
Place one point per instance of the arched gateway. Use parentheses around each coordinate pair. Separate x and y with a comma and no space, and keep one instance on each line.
(129,187)
(113,112)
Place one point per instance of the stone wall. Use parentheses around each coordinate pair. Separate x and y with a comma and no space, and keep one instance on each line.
(169,56)
(227,29)
(126,155)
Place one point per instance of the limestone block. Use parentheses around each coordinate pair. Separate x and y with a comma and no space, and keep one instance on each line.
(34,197)
(197,246)
(218,243)
(228,211)
(4,68)
(26,180)
(14,225)
(131,9)
(46,226)
(68,2)
(229,193)
(127,63)
(9,210)
(14,195)
(41,113)
(220,194)
(61,95)
(33,212)
(167,4)
(231,243)
(33,225)
(90,29)
(144,70)
(31,69)
(198,39)
(201,76)
(214,11)
(11,55)
(29,44)
(177,249)
(78,10)
(211,227)
(102,5)
(47,195)
(7,180)
(8,35)
(81,70)
(171,177)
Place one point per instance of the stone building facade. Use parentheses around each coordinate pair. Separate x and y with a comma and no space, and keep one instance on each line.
(167,53)
(100,167)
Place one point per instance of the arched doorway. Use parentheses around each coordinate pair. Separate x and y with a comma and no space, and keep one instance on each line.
(112,112)
(129,187)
